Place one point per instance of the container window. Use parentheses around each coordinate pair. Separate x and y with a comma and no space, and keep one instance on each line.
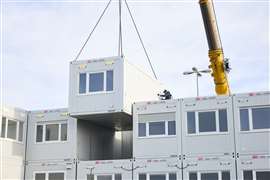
(109,81)
(40,176)
(20,131)
(207,121)
(223,122)
(82,83)
(64,132)
(117,177)
(244,120)
(3,128)
(171,128)
(225,175)
(263,175)
(191,122)
(142,176)
(142,129)
(247,175)
(209,176)
(172,176)
(157,128)
(56,176)
(261,118)
(90,177)
(39,135)
(96,82)
(12,129)
(52,132)
(104,177)
(157,177)
(192,176)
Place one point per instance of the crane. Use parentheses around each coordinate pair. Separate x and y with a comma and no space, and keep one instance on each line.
(218,65)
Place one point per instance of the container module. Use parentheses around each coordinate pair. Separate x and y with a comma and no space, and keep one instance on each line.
(103,90)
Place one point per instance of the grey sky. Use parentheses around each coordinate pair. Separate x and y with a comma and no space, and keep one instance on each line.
(40,38)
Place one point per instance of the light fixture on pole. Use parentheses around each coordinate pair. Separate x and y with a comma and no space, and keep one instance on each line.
(198,74)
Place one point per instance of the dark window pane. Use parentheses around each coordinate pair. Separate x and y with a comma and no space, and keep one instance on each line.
(109,81)
(3,129)
(39,135)
(142,129)
(117,177)
(223,122)
(20,131)
(90,177)
(191,122)
(261,118)
(172,176)
(171,128)
(157,177)
(52,132)
(12,129)
(225,175)
(244,120)
(263,175)
(142,176)
(157,128)
(63,132)
(82,83)
(209,176)
(207,121)
(104,177)
(96,82)
(192,176)
(56,176)
(40,176)
(248,175)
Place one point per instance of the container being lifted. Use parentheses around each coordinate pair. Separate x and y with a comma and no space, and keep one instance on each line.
(103,90)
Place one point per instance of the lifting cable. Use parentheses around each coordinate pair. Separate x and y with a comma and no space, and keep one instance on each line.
(103,12)
(140,38)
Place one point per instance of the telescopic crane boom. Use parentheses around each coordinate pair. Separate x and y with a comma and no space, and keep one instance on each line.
(215,47)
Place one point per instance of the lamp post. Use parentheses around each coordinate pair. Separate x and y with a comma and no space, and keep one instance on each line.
(198,74)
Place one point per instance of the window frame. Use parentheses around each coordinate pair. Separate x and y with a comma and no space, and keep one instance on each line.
(254,172)
(87,82)
(47,174)
(250,119)
(106,174)
(17,130)
(216,132)
(219,172)
(156,173)
(43,124)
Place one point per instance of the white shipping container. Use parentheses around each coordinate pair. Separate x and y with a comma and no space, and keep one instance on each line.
(204,167)
(105,170)
(207,126)
(103,90)
(252,123)
(156,129)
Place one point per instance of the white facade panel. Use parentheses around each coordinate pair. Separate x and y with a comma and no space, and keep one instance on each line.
(157,168)
(203,167)
(252,122)
(207,126)
(51,135)
(156,129)
(107,169)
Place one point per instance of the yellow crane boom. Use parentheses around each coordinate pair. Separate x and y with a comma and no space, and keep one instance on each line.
(215,47)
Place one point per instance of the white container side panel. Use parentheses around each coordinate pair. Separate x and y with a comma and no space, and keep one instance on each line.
(96,102)
(207,126)
(252,122)
(158,168)
(60,170)
(138,86)
(209,167)
(51,135)
(256,167)
(93,170)
(161,140)
(12,168)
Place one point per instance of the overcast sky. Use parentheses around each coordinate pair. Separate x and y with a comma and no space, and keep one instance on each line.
(40,38)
